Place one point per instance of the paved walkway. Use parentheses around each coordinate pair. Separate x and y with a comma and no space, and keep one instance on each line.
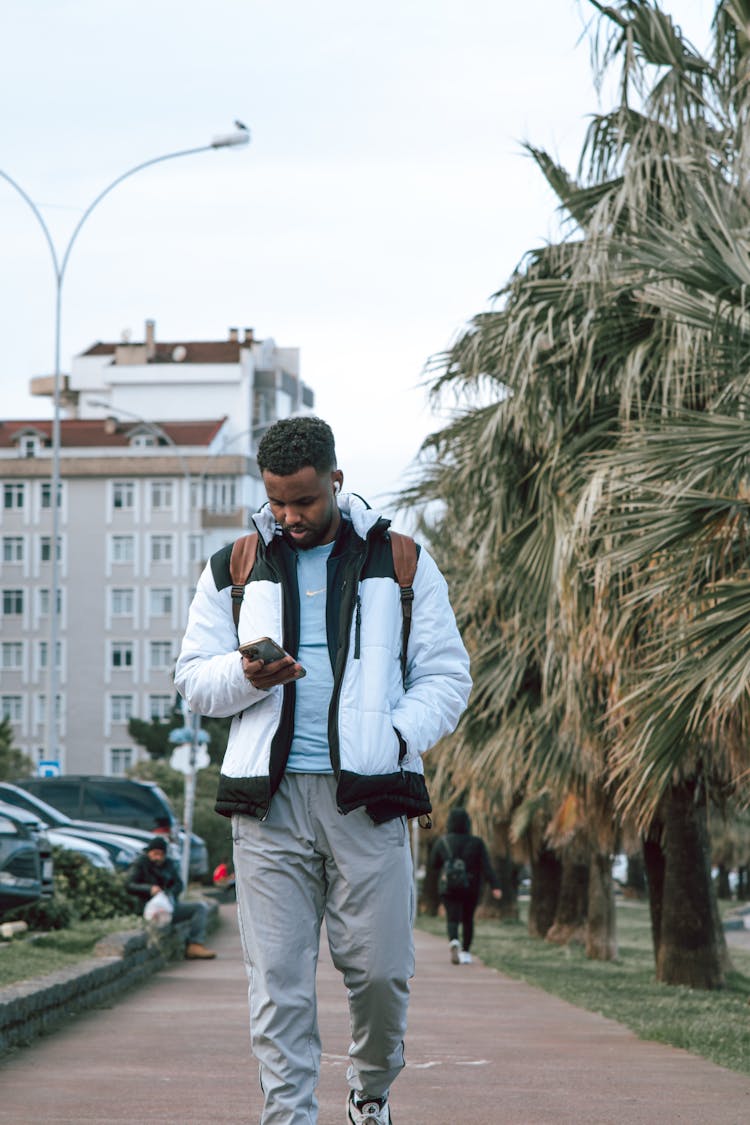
(482,1050)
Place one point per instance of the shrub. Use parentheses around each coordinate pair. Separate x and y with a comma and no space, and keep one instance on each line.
(82,892)
(92,892)
(45,914)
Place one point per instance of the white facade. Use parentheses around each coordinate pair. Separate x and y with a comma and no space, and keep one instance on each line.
(157,471)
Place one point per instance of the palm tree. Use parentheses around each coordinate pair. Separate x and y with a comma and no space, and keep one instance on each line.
(561,600)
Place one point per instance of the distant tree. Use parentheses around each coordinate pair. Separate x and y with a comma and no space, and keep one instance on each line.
(13,762)
(153,736)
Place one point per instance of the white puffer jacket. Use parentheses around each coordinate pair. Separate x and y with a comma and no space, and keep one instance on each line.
(379,725)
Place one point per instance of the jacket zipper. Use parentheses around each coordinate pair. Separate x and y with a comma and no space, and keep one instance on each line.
(357,625)
(346,618)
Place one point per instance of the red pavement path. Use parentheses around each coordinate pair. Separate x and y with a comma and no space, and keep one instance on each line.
(482,1049)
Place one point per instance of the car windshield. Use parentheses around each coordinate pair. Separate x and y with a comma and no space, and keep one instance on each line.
(15,796)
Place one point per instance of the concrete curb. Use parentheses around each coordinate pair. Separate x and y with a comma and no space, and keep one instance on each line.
(121,960)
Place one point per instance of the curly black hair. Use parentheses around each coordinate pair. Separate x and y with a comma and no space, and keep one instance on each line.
(292,443)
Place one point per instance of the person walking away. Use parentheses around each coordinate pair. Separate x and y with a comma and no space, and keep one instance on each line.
(153,871)
(463,865)
(324,762)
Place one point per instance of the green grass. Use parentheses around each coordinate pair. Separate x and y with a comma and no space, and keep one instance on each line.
(715,1025)
(28,958)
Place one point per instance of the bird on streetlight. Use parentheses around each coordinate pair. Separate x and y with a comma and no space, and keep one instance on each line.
(242,125)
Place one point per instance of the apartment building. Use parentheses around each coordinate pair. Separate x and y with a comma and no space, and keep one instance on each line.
(157,470)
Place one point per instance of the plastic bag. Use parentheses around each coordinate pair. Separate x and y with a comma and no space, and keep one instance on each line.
(159,908)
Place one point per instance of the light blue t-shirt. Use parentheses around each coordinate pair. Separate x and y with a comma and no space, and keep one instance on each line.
(310,751)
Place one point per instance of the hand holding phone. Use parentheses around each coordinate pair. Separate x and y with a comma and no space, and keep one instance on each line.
(263,649)
(274,665)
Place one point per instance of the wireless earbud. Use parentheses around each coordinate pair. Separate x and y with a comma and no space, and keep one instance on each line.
(336,488)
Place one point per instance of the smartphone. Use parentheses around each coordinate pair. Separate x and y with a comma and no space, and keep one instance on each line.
(263,649)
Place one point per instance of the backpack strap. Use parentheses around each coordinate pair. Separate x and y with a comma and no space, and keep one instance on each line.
(241,563)
(405,566)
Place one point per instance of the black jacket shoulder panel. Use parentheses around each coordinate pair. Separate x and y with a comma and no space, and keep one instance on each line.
(380,555)
(263,569)
(220,567)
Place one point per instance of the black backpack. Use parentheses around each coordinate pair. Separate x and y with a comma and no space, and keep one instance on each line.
(454,878)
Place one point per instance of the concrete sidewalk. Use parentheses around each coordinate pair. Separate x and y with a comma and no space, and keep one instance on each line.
(482,1049)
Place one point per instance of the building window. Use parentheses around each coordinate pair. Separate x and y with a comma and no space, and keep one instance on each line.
(160,707)
(14,495)
(161,548)
(11,655)
(160,654)
(46,494)
(160,602)
(42,651)
(123,494)
(220,494)
(12,603)
(44,601)
(122,602)
(29,446)
(120,708)
(195,548)
(45,548)
(143,441)
(41,709)
(123,548)
(161,495)
(11,707)
(122,654)
(120,760)
(12,549)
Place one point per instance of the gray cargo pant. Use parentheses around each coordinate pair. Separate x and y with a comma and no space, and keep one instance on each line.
(307,862)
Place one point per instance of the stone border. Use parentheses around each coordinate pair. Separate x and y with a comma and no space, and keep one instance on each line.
(121,960)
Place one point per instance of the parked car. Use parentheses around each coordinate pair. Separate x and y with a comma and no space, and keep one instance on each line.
(112,800)
(26,865)
(94,853)
(121,803)
(122,846)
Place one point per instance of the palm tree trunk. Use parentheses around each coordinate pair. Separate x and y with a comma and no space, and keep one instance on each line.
(723,889)
(653,858)
(570,918)
(601,930)
(504,865)
(546,874)
(635,883)
(691,950)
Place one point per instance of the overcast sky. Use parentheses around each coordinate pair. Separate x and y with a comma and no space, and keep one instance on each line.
(384,198)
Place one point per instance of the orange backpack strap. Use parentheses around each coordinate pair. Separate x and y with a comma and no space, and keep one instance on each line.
(241,563)
(405,565)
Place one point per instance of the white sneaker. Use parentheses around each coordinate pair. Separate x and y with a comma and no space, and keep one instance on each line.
(455,948)
(464,957)
(373,1111)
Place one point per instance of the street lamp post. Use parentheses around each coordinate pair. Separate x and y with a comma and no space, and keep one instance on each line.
(59,264)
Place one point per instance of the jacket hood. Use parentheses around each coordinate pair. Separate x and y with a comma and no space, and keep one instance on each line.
(459,822)
(351,506)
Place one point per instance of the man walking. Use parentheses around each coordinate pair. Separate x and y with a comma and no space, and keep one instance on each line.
(323,764)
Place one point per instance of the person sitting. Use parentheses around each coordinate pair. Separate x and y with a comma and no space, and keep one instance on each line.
(153,872)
